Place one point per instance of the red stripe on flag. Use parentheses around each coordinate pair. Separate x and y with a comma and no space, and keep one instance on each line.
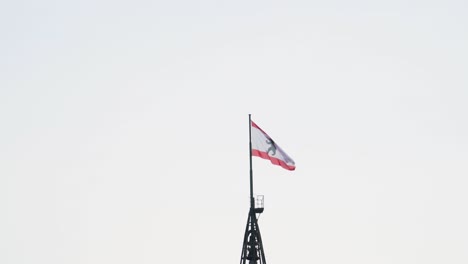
(257,127)
(273,160)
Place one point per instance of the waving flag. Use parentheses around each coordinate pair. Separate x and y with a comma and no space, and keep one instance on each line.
(264,147)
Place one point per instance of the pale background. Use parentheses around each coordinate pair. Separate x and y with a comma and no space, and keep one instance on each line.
(124,130)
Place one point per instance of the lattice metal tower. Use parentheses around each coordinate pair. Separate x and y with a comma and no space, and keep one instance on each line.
(252,248)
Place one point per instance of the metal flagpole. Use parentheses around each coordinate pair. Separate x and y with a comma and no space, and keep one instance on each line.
(252,203)
(252,248)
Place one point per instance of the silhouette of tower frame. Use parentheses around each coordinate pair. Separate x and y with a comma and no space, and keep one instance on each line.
(252,248)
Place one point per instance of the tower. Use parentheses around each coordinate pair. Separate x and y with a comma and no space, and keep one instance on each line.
(265,148)
(252,248)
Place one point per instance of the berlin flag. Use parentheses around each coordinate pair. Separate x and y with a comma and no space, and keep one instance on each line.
(264,147)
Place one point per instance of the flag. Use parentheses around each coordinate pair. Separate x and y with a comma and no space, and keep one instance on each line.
(264,147)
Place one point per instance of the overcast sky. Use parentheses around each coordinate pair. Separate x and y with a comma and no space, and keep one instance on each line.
(124,130)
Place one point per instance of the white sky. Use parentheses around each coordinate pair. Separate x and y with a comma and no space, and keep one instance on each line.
(124,130)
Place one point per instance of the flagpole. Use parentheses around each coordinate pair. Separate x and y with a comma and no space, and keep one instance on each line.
(252,204)
(252,248)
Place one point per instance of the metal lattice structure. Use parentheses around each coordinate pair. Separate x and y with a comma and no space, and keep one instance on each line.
(252,248)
